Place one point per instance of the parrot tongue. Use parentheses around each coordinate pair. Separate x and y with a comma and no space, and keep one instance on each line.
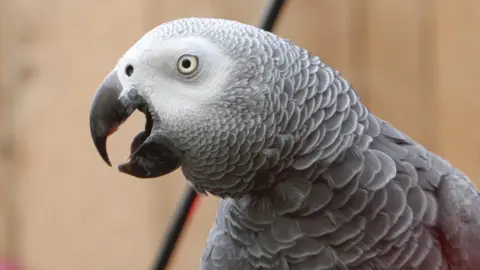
(151,154)
(142,136)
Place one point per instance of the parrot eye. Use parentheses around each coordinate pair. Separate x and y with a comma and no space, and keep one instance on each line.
(187,64)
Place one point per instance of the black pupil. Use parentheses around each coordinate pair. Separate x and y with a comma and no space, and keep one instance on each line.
(186,63)
(129,70)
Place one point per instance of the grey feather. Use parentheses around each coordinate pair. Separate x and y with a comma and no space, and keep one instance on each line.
(310,178)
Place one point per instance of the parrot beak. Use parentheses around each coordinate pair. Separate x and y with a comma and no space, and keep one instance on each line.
(152,153)
(107,113)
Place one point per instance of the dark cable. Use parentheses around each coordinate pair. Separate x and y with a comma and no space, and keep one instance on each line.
(176,227)
(271,14)
(174,232)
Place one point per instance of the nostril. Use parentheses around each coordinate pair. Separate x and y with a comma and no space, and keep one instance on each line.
(129,70)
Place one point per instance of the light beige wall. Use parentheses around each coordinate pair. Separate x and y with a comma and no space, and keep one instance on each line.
(413,62)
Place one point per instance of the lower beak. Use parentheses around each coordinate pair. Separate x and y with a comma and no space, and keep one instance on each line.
(152,153)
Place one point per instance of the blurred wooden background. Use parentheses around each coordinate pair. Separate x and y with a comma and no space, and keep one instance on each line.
(415,64)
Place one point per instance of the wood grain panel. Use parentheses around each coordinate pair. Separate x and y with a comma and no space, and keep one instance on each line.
(9,80)
(397,91)
(458,105)
(75,212)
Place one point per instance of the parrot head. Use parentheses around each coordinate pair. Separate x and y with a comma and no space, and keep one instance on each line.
(203,85)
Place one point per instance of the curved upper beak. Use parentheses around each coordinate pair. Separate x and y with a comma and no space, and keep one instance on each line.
(107,113)
(152,152)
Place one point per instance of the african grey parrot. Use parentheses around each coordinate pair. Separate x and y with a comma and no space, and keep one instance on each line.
(309,178)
